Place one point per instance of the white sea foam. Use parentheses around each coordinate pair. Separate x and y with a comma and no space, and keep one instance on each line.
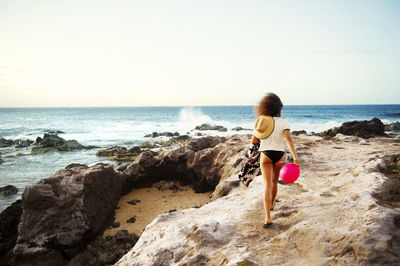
(190,117)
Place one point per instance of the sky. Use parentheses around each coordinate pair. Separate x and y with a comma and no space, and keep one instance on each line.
(193,53)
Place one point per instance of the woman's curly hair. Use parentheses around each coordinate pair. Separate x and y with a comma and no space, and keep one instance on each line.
(270,105)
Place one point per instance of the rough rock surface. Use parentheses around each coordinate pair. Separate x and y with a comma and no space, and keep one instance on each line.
(119,153)
(9,220)
(328,217)
(201,162)
(8,190)
(64,212)
(362,129)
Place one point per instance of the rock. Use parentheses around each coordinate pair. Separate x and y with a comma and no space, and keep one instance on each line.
(82,259)
(133,202)
(165,185)
(240,129)
(22,143)
(297,133)
(68,209)
(52,143)
(1,160)
(211,127)
(55,132)
(362,129)
(76,165)
(116,225)
(131,220)
(9,219)
(198,134)
(119,153)
(157,134)
(8,190)
(4,143)
(393,127)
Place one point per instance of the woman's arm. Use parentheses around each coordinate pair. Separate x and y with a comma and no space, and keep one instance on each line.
(289,142)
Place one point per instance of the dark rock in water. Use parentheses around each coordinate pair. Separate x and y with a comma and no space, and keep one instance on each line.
(131,220)
(51,143)
(160,134)
(9,220)
(170,211)
(239,129)
(68,209)
(8,190)
(55,132)
(198,134)
(19,143)
(76,165)
(362,129)
(211,127)
(297,133)
(393,127)
(4,143)
(1,160)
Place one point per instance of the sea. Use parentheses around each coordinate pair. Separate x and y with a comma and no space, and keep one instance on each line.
(126,126)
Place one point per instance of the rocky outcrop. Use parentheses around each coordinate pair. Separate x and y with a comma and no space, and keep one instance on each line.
(8,190)
(211,127)
(64,212)
(228,230)
(201,163)
(362,129)
(52,142)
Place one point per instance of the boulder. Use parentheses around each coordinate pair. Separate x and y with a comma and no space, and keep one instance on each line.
(65,211)
(9,219)
(52,142)
(393,127)
(4,143)
(19,143)
(211,127)
(362,129)
(8,190)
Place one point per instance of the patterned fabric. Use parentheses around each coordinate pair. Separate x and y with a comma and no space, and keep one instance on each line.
(251,167)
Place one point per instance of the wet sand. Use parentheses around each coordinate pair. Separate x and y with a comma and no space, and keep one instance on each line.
(153,202)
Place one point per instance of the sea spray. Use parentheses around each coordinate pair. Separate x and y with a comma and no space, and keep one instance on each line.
(190,117)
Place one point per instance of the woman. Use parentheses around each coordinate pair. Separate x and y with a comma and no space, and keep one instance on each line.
(270,130)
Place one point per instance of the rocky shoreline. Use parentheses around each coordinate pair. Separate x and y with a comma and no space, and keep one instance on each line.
(61,219)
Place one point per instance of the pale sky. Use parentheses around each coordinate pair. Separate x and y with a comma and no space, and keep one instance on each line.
(166,52)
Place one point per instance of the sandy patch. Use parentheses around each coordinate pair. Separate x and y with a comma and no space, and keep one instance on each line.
(153,202)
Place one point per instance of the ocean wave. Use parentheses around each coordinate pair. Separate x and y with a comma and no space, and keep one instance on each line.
(392,114)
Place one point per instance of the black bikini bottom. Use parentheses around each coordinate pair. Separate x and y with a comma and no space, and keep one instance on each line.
(275,156)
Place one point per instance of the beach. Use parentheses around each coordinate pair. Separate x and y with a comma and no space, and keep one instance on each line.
(151,202)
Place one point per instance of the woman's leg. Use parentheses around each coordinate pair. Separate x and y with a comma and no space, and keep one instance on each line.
(277,169)
(267,170)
